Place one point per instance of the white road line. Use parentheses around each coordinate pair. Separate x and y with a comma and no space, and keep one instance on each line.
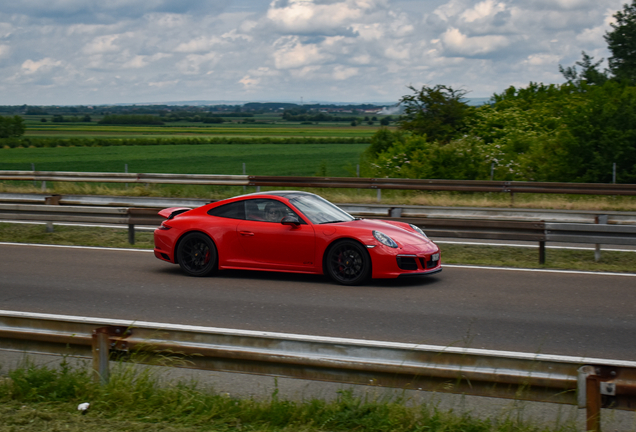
(445,265)
(530,246)
(76,247)
(580,272)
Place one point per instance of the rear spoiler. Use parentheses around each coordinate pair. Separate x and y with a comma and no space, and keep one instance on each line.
(171,212)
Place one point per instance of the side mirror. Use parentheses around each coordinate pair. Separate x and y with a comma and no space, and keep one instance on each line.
(290,220)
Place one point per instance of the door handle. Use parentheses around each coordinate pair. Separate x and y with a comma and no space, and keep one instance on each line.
(246,233)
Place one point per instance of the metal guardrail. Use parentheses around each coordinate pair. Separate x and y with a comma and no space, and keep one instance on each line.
(458,227)
(65,176)
(82,214)
(587,382)
(511,187)
(446,185)
(361,210)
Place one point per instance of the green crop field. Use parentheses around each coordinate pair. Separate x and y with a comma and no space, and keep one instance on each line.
(261,128)
(260,159)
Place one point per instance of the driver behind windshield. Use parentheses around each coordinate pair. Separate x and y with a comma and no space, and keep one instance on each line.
(274,212)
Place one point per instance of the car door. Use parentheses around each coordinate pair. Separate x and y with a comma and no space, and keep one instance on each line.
(268,244)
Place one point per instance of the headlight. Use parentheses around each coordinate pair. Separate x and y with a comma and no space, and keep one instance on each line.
(418,229)
(384,239)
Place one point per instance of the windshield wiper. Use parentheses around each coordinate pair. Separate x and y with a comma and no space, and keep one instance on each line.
(332,221)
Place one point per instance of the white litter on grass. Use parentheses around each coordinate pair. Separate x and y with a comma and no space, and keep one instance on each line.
(83,407)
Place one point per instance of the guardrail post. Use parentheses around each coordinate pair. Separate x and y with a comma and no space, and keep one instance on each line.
(541,252)
(131,234)
(600,219)
(593,405)
(395,212)
(100,348)
(379,194)
(589,397)
(51,200)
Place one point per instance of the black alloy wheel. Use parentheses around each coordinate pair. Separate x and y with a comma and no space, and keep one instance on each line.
(197,254)
(348,263)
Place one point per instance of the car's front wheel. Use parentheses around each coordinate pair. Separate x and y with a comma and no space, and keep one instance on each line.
(197,254)
(348,263)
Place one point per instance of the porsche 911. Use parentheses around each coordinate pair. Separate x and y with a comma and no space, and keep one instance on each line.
(291,231)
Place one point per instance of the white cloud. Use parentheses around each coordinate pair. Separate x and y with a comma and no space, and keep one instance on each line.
(30,66)
(102,44)
(458,44)
(303,17)
(542,59)
(198,45)
(291,53)
(249,83)
(161,84)
(342,73)
(194,64)
(482,10)
(81,51)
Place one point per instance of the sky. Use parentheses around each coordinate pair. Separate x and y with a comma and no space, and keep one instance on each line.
(88,52)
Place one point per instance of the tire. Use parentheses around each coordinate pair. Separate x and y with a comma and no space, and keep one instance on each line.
(197,254)
(348,263)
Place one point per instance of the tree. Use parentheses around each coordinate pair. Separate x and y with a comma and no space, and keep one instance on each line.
(437,112)
(621,41)
(589,72)
(11,127)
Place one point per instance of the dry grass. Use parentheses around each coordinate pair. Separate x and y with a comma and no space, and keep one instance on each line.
(358,196)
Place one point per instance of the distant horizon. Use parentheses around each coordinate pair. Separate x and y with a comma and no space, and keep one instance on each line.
(471,101)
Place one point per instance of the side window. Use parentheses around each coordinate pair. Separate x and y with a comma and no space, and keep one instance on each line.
(268,210)
(235,210)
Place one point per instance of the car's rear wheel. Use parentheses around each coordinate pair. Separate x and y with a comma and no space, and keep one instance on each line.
(197,254)
(348,263)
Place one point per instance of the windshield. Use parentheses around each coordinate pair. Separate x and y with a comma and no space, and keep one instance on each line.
(319,210)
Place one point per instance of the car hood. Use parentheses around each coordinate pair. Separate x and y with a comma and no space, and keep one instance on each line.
(400,235)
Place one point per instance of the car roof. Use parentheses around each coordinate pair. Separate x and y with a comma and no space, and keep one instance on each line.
(283,194)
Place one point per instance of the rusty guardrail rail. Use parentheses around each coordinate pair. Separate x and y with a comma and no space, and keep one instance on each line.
(511,187)
(587,382)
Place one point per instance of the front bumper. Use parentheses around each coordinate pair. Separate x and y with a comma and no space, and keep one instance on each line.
(417,274)
(407,261)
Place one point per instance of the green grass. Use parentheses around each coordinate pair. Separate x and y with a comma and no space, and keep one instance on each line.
(273,129)
(42,398)
(260,159)
(499,256)
(562,259)
(73,236)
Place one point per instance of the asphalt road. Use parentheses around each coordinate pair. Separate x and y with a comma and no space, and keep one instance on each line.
(556,313)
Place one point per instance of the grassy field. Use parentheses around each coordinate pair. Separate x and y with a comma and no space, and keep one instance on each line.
(264,126)
(260,159)
(332,160)
(46,398)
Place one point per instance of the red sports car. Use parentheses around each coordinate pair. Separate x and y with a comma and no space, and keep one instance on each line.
(292,231)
